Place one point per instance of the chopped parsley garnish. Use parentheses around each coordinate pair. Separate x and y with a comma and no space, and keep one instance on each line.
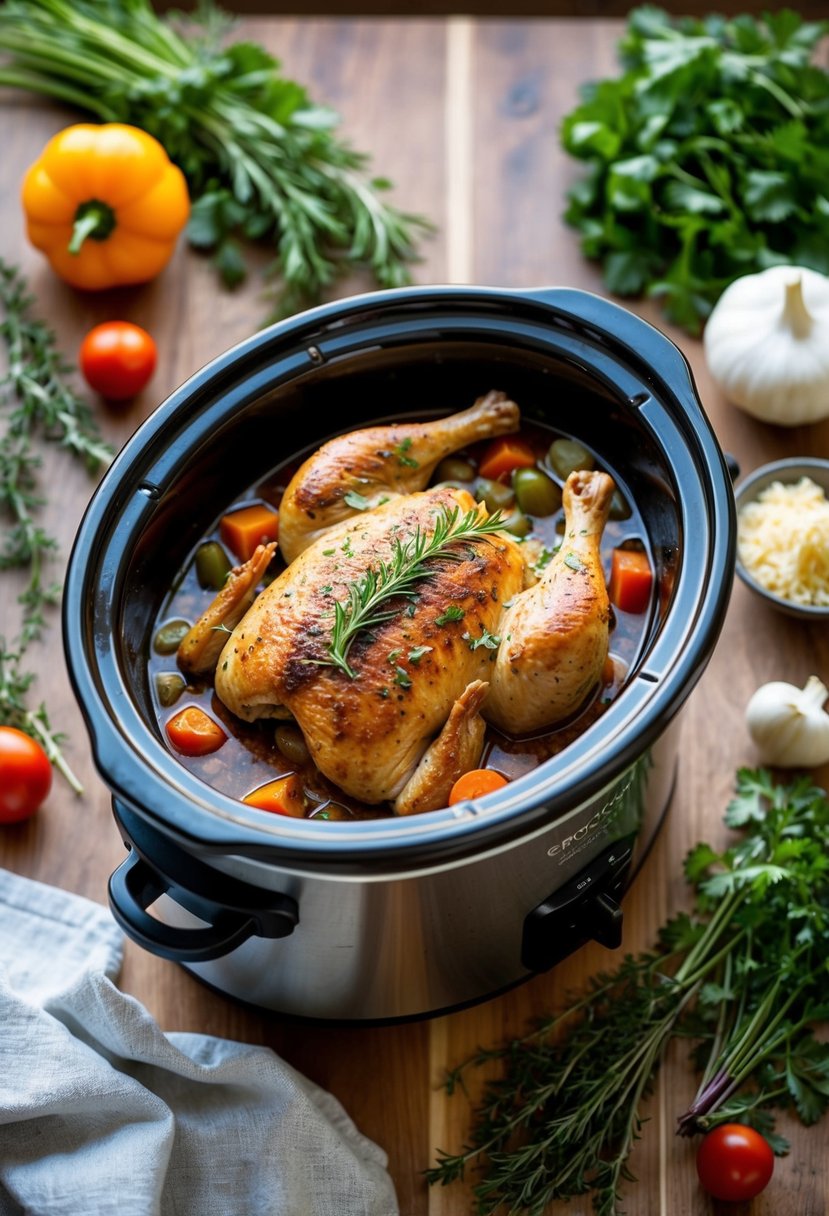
(346,547)
(490,640)
(402,677)
(417,653)
(358,501)
(401,453)
(575,563)
(452,613)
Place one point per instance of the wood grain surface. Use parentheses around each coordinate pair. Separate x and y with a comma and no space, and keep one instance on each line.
(463,115)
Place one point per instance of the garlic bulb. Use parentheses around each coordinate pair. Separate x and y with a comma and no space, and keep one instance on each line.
(767,345)
(788,724)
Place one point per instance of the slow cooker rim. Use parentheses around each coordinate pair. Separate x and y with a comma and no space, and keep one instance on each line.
(463,829)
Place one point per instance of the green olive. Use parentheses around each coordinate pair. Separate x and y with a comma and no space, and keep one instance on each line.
(494,495)
(212,565)
(454,469)
(535,492)
(169,686)
(518,524)
(170,636)
(291,743)
(619,508)
(567,455)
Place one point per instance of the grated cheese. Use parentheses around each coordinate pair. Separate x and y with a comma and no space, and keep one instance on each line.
(783,541)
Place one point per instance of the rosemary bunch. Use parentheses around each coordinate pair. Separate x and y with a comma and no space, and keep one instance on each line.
(408,564)
(261,160)
(746,976)
(36,401)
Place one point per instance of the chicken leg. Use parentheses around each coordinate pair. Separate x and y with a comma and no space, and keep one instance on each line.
(555,635)
(455,751)
(379,463)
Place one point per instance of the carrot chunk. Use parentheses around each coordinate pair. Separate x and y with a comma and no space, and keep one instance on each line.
(193,733)
(248,527)
(631,580)
(285,796)
(503,456)
(476,783)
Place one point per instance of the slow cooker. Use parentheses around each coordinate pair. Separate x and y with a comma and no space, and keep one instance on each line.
(399,917)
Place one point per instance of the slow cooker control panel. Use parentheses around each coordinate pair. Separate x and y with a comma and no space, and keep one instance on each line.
(585,909)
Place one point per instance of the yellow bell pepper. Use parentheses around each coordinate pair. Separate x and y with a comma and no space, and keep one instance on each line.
(105,204)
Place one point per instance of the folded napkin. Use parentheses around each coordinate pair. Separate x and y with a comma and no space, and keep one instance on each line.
(101,1114)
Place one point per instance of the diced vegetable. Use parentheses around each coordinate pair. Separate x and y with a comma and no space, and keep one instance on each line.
(212,565)
(567,455)
(494,495)
(170,636)
(285,796)
(290,741)
(454,469)
(517,523)
(505,454)
(475,784)
(248,527)
(631,579)
(619,507)
(169,686)
(193,733)
(536,493)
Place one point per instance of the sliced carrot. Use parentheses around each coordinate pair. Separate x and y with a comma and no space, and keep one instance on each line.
(631,580)
(476,783)
(503,456)
(285,796)
(248,527)
(193,733)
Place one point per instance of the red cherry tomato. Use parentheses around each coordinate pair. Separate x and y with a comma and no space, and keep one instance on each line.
(117,359)
(25,775)
(734,1162)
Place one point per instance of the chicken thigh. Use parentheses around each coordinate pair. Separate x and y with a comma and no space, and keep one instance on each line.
(395,632)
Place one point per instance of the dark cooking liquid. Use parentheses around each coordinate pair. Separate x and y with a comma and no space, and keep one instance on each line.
(250,757)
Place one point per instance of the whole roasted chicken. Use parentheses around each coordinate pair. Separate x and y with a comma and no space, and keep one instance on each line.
(407,617)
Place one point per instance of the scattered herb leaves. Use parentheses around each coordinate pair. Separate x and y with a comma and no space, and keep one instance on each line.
(708,157)
(744,975)
(453,613)
(489,640)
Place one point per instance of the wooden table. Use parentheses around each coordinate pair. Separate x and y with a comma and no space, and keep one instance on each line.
(463,116)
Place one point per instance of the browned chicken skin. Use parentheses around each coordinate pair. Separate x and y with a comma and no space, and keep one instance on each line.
(403,717)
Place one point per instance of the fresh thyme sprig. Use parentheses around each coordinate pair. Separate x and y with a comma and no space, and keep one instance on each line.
(35,401)
(262,161)
(746,976)
(408,564)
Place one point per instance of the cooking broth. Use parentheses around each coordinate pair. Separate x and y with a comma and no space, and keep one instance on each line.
(251,756)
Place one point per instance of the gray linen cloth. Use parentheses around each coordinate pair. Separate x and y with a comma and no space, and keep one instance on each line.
(101,1114)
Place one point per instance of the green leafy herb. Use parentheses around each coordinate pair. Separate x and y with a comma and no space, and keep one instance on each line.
(402,677)
(402,454)
(573,561)
(409,562)
(36,402)
(262,161)
(490,640)
(708,157)
(745,975)
(417,653)
(453,613)
(358,501)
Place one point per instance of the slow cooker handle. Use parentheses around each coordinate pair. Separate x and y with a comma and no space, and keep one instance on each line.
(135,885)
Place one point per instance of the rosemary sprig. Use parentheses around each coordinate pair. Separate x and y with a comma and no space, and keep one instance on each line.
(35,401)
(262,161)
(408,564)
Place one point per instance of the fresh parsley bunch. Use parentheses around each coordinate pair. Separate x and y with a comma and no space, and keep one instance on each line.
(263,162)
(745,976)
(708,157)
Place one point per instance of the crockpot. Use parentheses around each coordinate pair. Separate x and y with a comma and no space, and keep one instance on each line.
(398,917)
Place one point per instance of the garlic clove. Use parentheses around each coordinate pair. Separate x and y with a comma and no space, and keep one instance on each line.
(788,724)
